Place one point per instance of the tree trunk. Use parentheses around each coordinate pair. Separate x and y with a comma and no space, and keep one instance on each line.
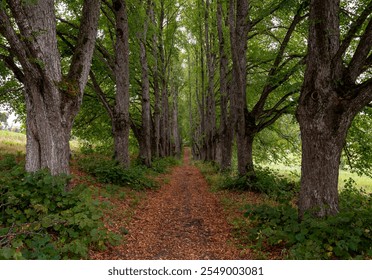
(47,138)
(175,128)
(225,131)
(323,137)
(120,133)
(145,152)
(121,124)
(245,153)
(157,104)
(239,28)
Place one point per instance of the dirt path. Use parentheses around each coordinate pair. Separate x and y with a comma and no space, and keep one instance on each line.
(181,220)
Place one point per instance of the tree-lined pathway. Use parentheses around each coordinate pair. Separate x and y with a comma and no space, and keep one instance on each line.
(182,220)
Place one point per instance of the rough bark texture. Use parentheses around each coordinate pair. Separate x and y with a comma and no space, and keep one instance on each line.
(327,107)
(121,124)
(239,28)
(52,101)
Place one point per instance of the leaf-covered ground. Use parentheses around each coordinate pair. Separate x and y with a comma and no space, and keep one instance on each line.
(181,220)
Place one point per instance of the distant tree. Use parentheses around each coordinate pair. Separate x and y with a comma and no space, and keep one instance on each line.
(3,119)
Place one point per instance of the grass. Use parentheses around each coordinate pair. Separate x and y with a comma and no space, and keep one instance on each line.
(12,142)
(293,172)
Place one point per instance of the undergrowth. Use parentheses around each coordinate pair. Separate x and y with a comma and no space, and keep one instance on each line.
(40,220)
(348,235)
(136,176)
(266,182)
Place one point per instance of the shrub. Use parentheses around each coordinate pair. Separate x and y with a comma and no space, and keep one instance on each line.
(110,171)
(40,220)
(161,165)
(266,181)
(344,236)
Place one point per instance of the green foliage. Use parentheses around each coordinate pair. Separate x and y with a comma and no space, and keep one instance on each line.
(266,181)
(110,171)
(358,148)
(344,236)
(40,220)
(161,165)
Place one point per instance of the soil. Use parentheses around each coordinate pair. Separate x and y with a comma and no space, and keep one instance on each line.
(181,220)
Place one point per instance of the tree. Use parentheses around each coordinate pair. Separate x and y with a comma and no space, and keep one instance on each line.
(226,131)
(145,151)
(3,120)
(336,87)
(52,97)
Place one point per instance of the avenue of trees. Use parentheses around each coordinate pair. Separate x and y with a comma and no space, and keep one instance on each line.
(215,75)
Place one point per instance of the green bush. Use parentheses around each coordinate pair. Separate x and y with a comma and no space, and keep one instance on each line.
(266,182)
(344,236)
(8,162)
(161,165)
(110,171)
(40,220)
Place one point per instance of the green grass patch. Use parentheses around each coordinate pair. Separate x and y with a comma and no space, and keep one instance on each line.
(12,142)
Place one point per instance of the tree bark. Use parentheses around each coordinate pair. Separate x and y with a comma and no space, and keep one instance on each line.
(225,131)
(145,151)
(175,127)
(323,137)
(239,28)
(121,124)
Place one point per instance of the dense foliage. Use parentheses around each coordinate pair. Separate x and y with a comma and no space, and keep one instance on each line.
(266,182)
(348,235)
(41,220)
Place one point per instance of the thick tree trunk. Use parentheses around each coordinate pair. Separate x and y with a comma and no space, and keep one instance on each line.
(245,153)
(321,139)
(323,136)
(47,138)
(120,134)
(239,28)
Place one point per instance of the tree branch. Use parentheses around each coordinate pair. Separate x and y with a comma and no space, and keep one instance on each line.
(80,63)
(277,115)
(355,26)
(101,95)
(356,66)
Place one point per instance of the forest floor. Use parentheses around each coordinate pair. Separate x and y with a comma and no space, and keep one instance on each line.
(180,220)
